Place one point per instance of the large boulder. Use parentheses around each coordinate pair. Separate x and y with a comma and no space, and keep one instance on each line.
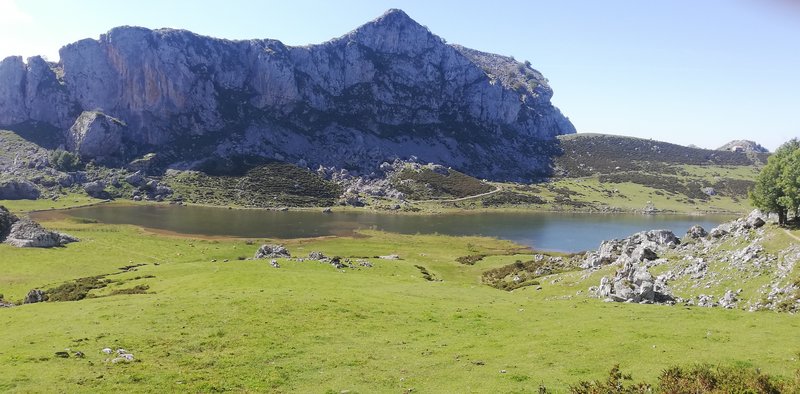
(95,135)
(26,233)
(14,189)
(95,189)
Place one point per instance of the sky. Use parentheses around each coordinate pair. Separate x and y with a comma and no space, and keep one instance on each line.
(683,71)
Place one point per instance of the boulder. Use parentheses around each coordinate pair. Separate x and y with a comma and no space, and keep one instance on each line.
(26,233)
(95,189)
(316,256)
(135,179)
(95,135)
(18,190)
(35,296)
(696,232)
(268,251)
(728,301)
(755,220)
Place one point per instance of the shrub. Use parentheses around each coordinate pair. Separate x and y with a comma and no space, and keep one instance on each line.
(65,161)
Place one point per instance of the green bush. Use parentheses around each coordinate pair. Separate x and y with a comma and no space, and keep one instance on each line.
(65,161)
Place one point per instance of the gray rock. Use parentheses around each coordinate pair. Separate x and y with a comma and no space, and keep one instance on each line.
(696,232)
(95,135)
(268,251)
(705,301)
(34,296)
(316,256)
(728,301)
(135,179)
(755,220)
(14,189)
(95,189)
(26,233)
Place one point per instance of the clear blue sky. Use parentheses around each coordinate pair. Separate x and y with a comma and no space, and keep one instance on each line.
(684,71)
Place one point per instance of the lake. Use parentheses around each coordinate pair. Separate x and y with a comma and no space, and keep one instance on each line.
(567,232)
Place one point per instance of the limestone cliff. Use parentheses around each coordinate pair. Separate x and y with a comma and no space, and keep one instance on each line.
(389,89)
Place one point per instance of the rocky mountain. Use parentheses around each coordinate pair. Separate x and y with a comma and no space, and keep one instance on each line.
(389,89)
(746,146)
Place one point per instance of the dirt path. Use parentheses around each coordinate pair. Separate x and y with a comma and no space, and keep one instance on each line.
(463,198)
(789,233)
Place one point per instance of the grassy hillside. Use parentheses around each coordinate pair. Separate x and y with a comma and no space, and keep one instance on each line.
(425,183)
(206,324)
(267,185)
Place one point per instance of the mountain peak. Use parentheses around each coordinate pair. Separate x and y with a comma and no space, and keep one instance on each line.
(395,14)
(394,32)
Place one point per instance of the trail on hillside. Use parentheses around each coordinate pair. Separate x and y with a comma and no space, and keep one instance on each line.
(462,198)
(789,233)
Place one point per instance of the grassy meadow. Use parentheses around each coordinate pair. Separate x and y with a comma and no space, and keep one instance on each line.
(207,325)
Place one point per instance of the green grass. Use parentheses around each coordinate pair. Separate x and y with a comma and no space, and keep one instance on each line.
(69,200)
(206,326)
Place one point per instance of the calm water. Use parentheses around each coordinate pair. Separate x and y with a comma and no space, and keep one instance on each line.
(546,231)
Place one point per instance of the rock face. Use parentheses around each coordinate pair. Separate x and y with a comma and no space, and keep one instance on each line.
(389,89)
(18,190)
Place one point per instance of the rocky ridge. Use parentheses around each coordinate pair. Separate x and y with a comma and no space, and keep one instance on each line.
(389,89)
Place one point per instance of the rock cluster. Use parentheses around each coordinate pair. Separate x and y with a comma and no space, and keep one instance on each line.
(270,251)
(633,282)
(25,233)
(639,247)
(704,263)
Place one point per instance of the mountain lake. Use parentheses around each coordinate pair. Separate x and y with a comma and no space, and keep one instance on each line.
(564,232)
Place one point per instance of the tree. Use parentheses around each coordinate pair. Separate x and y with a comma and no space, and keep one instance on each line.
(777,187)
(65,161)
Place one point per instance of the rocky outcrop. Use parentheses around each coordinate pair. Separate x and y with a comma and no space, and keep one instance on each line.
(26,233)
(15,189)
(746,146)
(389,89)
(641,246)
(703,269)
(268,251)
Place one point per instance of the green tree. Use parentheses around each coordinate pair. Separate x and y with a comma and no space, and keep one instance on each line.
(777,187)
(65,161)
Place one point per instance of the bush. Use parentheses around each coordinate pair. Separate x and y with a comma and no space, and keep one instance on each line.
(65,161)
